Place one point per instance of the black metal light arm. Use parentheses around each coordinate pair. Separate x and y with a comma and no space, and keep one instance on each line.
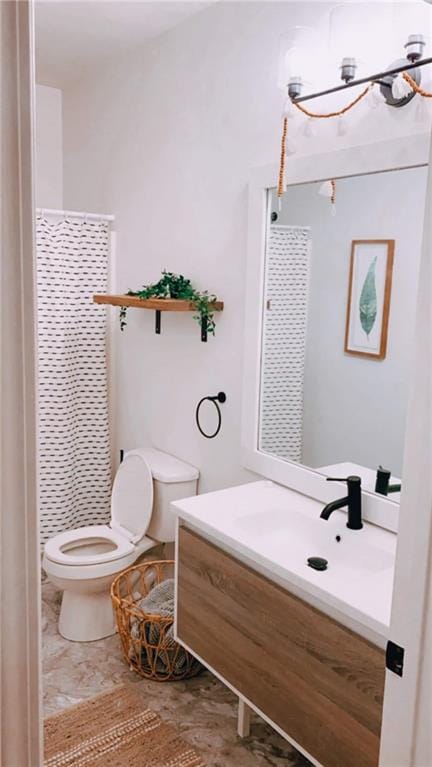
(377,78)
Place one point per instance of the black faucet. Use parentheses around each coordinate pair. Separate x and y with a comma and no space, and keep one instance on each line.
(352,500)
(382,483)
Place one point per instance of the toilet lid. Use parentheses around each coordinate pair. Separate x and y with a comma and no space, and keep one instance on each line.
(132,497)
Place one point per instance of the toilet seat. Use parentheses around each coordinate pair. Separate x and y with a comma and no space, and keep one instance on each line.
(131,511)
(92,534)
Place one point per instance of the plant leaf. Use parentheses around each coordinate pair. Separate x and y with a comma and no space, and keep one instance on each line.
(368,300)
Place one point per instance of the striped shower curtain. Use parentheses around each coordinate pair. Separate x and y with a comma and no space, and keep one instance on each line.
(74,442)
(284,341)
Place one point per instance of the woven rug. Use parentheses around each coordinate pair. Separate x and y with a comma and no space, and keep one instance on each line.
(114,729)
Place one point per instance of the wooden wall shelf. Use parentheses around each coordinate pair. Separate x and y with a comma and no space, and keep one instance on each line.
(157,305)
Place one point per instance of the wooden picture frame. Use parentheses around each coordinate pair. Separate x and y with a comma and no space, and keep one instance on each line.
(369,296)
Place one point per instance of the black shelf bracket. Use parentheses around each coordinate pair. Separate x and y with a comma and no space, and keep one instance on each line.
(203,324)
(204,329)
(157,322)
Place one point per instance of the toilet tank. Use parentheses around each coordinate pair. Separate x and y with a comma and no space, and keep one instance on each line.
(173,479)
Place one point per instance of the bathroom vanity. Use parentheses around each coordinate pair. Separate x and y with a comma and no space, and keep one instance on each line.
(322,400)
(303,648)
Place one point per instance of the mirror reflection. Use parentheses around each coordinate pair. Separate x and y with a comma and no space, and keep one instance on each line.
(341,271)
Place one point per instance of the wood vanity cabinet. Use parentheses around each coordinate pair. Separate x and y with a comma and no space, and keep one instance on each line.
(318,681)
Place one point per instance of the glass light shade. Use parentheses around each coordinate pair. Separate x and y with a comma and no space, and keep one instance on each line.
(360,31)
(297,57)
(411,19)
(295,61)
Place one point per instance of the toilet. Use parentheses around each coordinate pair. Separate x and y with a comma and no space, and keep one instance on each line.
(84,562)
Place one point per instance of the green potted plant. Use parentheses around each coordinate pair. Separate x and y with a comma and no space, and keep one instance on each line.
(177,286)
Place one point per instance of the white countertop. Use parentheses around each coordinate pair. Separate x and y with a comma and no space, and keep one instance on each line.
(274,530)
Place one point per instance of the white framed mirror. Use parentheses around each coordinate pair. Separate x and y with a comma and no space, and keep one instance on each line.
(331,304)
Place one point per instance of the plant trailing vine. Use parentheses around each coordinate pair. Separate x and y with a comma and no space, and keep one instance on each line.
(176,286)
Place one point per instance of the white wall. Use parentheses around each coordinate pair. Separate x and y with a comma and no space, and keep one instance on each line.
(355,408)
(49,147)
(165,139)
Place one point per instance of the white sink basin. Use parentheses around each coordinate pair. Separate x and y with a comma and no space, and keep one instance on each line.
(297,536)
(276,530)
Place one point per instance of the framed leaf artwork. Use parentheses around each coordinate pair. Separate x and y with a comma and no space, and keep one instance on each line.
(369,295)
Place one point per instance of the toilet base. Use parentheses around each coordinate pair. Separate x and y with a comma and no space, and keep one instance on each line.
(86,617)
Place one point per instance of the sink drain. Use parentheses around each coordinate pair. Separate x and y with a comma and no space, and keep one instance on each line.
(318,563)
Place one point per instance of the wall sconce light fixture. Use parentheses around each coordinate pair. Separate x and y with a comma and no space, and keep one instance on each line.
(411,63)
(398,84)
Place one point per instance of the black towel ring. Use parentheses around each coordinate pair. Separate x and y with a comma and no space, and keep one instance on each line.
(221,397)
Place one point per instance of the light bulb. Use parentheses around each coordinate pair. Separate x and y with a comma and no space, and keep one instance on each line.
(342,126)
(333,210)
(400,88)
(309,128)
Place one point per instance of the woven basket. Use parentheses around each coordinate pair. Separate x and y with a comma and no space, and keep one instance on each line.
(147,639)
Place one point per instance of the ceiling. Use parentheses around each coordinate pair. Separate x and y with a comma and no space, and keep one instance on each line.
(72,36)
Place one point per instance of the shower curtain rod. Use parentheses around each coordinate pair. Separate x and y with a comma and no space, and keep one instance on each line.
(75,214)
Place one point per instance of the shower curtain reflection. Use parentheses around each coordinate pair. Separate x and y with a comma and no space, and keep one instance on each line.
(283,343)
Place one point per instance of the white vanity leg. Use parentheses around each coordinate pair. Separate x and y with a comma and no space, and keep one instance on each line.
(243,719)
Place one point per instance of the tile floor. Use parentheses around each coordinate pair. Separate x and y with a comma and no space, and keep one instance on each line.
(202,709)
